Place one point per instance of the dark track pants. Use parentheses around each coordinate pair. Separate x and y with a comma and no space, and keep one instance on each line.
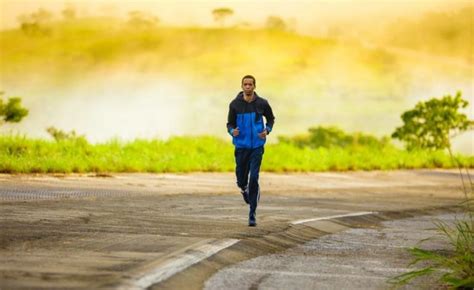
(247,170)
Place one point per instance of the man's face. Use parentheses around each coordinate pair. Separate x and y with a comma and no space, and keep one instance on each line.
(248,86)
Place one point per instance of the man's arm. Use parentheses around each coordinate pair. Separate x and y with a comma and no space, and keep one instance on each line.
(231,120)
(268,113)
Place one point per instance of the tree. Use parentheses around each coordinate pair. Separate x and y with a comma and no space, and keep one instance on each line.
(220,14)
(431,124)
(142,20)
(275,23)
(12,111)
(36,22)
(41,16)
(69,13)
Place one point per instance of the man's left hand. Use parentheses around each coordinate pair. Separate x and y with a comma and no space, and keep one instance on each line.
(263,135)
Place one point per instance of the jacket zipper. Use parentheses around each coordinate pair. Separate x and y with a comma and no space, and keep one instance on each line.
(251,145)
(251,126)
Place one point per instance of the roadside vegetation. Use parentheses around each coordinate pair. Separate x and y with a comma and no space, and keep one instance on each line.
(20,154)
(431,125)
(426,133)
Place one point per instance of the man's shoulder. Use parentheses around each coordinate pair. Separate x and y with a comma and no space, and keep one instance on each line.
(262,100)
(234,101)
(238,97)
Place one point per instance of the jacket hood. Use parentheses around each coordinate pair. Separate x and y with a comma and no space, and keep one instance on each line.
(240,96)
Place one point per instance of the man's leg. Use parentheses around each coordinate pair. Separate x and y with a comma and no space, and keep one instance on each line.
(242,170)
(254,188)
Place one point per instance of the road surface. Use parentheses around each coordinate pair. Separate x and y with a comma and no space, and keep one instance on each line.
(183,231)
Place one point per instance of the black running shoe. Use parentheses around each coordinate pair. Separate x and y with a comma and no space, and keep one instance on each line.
(252,220)
(245,194)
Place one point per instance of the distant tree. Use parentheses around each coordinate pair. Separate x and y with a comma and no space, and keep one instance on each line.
(220,15)
(42,16)
(276,23)
(69,13)
(431,124)
(142,20)
(36,23)
(11,111)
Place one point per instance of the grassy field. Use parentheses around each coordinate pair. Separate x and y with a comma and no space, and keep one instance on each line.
(188,154)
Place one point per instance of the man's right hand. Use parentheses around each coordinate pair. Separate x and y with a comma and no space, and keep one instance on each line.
(236,132)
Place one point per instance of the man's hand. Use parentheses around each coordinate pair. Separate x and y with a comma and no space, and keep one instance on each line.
(236,132)
(263,135)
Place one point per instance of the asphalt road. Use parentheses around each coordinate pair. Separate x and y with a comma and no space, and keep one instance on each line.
(354,258)
(182,231)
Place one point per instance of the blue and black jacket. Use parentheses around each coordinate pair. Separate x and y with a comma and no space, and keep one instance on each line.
(248,118)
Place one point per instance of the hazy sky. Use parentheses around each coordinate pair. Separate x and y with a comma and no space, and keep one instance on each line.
(308,15)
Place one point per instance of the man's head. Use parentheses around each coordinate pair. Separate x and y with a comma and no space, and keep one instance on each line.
(248,84)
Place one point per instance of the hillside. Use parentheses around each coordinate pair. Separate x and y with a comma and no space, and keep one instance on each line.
(106,78)
(72,48)
(439,33)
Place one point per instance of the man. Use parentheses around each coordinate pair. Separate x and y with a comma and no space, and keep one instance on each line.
(245,125)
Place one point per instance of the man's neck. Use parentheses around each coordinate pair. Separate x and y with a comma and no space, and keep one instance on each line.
(248,98)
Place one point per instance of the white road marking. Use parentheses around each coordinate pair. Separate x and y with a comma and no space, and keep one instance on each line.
(313,275)
(178,264)
(332,217)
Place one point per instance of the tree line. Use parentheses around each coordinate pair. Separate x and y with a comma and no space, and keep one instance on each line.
(37,22)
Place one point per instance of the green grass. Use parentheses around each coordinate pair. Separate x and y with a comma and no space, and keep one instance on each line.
(453,267)
(20,154)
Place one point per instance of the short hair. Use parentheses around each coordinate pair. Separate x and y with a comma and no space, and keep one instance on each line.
(249,77)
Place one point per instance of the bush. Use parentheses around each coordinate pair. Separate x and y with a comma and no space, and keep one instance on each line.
(329,137)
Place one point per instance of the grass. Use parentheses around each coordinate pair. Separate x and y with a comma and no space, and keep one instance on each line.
(20,154)
(453,266)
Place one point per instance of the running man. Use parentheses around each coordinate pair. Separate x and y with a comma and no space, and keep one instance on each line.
(245,125)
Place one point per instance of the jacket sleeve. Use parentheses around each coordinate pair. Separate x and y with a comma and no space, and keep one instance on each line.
(231,120)
(268,113)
